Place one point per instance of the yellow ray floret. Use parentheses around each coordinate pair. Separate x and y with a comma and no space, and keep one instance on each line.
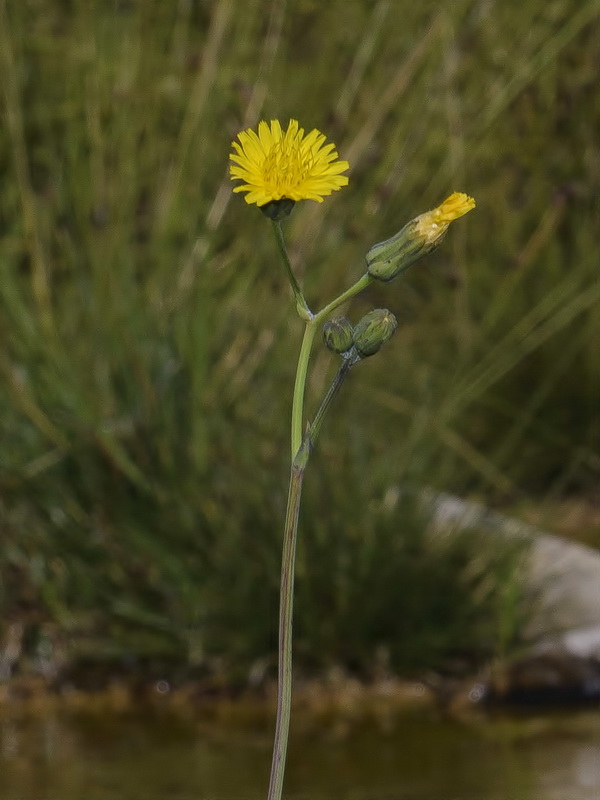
(433,224)
(275,164)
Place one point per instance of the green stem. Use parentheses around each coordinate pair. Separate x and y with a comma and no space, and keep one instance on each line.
(357,287)
(286,607)
(336,384)
(301,304)
(300,383)
(286,590)
(301,446)
(304,357)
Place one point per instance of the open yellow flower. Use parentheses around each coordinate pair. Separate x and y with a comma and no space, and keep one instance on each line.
(276,165)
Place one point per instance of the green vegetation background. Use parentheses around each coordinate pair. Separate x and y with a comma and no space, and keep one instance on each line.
(149,343)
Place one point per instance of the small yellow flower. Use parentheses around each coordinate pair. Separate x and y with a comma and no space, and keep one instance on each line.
(277,165)
(433,224)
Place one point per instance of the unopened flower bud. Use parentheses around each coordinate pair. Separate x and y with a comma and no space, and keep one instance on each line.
(387,260)
(374,330)
(338,334)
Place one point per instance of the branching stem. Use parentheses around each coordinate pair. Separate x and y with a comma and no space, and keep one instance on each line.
(301,444)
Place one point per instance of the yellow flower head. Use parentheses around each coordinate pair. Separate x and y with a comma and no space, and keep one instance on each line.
(276,165)
(432,225)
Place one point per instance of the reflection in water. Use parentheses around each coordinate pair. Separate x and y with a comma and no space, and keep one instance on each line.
(103,757)
(573,772)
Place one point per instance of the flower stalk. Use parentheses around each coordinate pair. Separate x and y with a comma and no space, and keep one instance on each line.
(286,590)
(302,308)
(286,610)
(278,168)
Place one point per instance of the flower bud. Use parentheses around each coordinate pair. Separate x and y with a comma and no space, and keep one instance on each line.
(338,334)
(374,330)
(387,260)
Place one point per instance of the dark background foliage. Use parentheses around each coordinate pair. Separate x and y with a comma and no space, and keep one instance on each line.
(149,342)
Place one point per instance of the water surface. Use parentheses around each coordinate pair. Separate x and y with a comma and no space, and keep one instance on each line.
(416,757)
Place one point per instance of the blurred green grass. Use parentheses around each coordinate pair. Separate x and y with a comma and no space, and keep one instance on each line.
(149,340)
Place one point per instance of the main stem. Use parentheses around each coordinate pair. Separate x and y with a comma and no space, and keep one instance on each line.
(286,595)
(304,357)
(286,608)
(301,446)
(301,372)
